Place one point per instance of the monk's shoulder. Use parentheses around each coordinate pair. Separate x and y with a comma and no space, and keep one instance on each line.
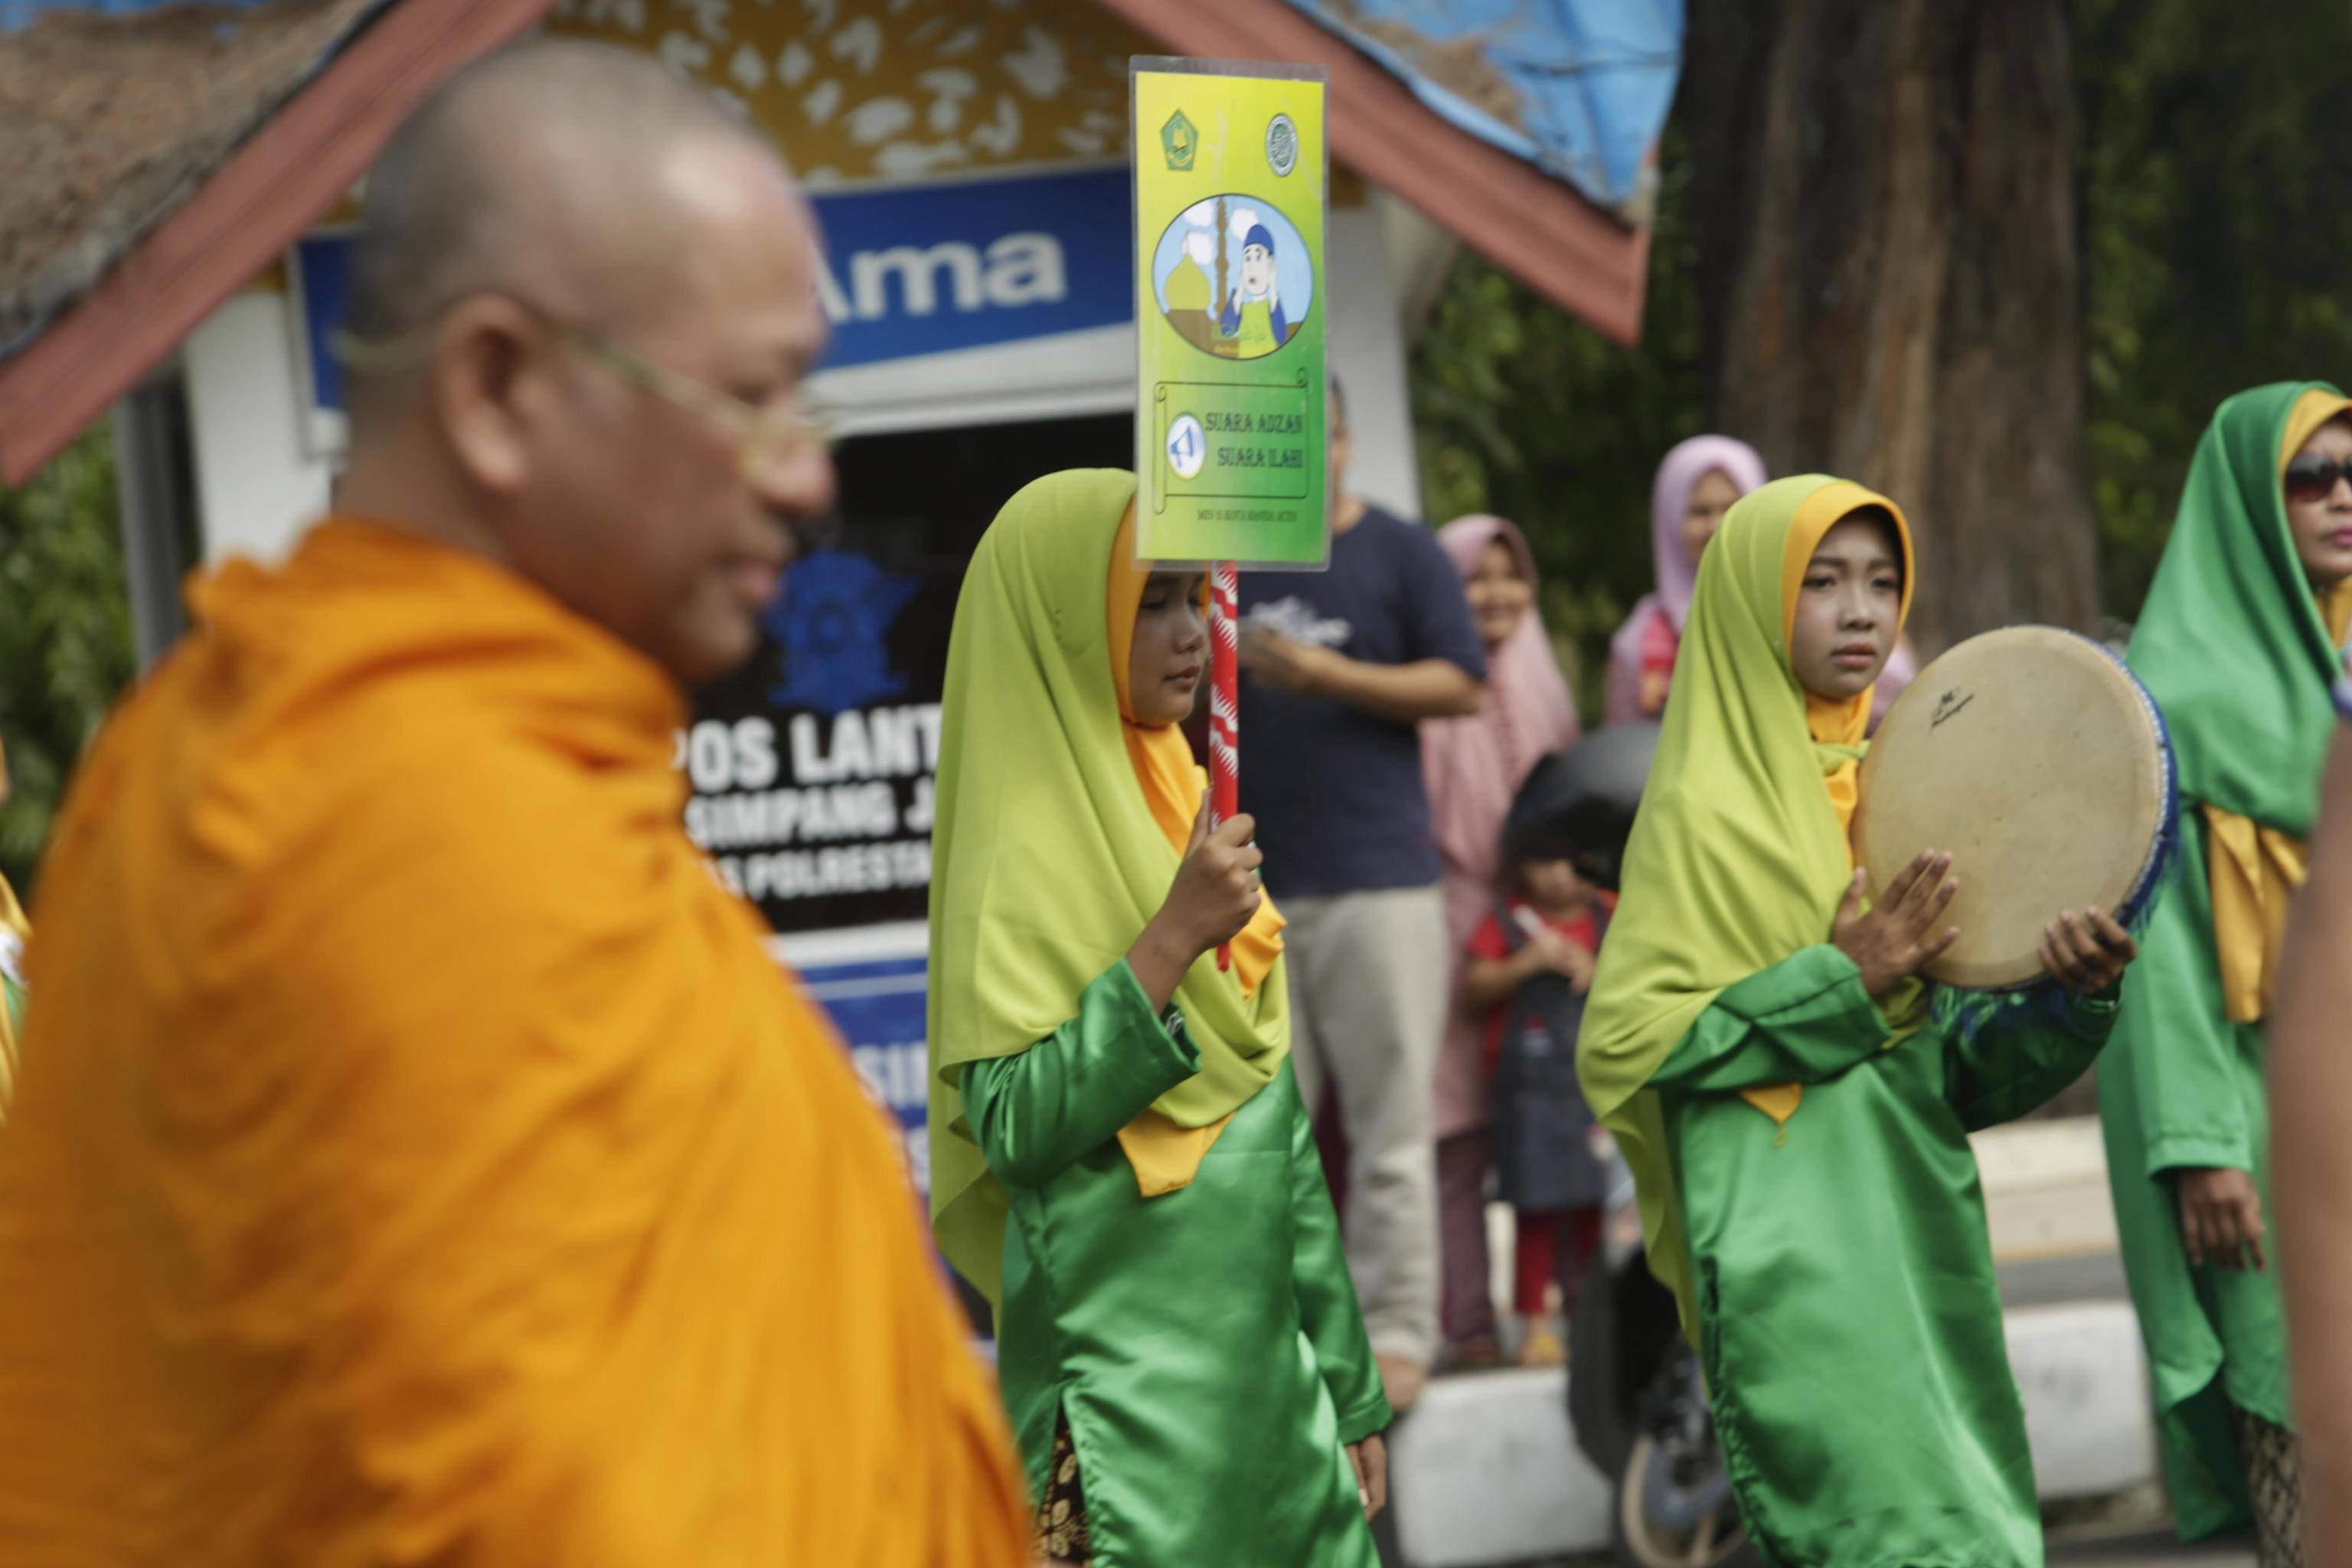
(480,791)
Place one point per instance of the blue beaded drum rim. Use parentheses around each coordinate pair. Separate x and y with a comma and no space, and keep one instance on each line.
(1968,1010)
(2164,855)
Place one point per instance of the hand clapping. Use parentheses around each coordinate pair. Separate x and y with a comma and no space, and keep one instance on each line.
(1896,940)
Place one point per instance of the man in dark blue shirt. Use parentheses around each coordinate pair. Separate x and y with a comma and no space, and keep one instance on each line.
(1342,666)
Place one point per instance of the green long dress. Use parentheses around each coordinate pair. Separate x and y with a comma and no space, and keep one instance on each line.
(2234,650)
(1850,1322)
(2184,1087)
(1205,1347)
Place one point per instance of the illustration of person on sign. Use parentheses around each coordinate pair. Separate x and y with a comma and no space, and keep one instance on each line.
(1253,313)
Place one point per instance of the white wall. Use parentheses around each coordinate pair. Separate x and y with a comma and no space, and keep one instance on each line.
(1368,355)
(257,488)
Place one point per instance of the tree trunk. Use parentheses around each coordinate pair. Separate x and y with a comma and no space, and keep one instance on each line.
(1890,278)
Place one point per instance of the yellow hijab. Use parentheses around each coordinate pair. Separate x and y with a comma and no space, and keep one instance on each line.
(1740,856)
(1839,727)
(1165,1154)
(1038,774)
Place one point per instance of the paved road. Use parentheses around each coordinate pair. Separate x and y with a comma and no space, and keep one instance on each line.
(2152,1551)
(2078,1277)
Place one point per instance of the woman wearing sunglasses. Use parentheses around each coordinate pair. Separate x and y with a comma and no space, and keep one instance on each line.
(2239,644)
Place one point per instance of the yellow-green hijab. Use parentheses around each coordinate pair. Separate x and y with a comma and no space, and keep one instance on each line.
(1046,858)
(1738,857)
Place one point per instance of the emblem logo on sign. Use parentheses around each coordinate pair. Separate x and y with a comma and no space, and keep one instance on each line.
(833,618)
(1179,141)
(1282,145)
(1188,446)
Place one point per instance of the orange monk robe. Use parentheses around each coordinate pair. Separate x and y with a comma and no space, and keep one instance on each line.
(420,1158)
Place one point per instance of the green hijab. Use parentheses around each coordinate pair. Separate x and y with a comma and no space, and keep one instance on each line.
(1737,858)
(1046,860)
(2230,643)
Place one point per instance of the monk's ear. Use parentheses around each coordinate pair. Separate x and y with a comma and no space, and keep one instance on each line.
(489,359)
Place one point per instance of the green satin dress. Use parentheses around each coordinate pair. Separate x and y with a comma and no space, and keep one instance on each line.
(2183,1087)
(1205,1347)
(1850,1322)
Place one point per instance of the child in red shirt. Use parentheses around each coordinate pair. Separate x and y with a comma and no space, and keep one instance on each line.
(1529,966)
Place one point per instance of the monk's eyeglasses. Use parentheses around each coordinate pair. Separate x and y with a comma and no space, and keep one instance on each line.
(769,436)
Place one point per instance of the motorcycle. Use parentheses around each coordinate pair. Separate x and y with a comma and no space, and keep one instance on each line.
(1638,1406)
(1637,1399)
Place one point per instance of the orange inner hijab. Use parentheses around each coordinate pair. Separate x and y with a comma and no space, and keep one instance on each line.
(1831,721)
(1170,779)
(1835,724)
(1164,1154)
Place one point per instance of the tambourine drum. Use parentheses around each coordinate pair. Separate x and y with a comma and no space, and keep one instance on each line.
(2033,758)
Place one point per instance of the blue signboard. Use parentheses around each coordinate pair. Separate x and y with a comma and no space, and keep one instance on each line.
(322,286)
(909,269)
(925,269)
(879,1006)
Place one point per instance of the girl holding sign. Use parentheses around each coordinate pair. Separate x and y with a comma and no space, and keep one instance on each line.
(1120,1159)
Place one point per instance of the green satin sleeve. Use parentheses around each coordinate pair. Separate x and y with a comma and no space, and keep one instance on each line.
(1328,1311)
(2190,1072)
(2011,1067)
(1037,1113)
(1805,1020)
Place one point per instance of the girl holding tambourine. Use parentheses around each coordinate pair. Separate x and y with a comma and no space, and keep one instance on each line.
(2239,644)
(1796,1114)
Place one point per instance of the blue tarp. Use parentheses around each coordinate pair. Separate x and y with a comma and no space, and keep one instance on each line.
(1593,79)
(15,13)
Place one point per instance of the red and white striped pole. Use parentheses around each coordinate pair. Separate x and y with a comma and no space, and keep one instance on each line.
(1224,703)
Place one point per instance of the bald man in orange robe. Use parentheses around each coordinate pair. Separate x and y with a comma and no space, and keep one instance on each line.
(418,1157)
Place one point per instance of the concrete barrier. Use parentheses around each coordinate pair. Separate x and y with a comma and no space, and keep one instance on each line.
(2045,1189)
(2083,1376)
(1486,1470)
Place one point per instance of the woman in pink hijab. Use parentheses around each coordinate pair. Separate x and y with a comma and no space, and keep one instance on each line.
(1695,486)
(1474,767)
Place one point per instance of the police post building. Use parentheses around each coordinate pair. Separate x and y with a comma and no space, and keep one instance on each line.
(968,163)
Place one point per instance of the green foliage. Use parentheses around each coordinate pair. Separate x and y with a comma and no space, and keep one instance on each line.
(66,647)
(1523,411)
(2217,215)
(2216,219)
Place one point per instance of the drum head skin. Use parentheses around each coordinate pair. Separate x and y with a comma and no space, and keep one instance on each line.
(2040,765)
